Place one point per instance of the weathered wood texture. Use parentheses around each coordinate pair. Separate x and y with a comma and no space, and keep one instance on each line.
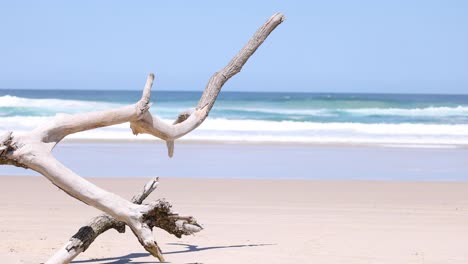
(33,150)
(167,220)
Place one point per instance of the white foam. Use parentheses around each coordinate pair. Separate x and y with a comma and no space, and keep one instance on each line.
(60,105)
(392,129)
(55,104)
(313,112)
(285,131)
(414,112)
(411,112)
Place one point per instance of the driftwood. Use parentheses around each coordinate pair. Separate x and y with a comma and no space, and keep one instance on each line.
(33,150)
(167,220)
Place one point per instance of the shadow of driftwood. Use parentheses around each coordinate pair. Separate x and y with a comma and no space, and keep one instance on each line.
(129,259)
(194,248)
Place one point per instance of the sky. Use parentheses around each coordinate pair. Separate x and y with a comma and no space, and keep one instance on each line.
(418,46)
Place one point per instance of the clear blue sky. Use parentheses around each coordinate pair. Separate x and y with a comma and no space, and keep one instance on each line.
(323,46)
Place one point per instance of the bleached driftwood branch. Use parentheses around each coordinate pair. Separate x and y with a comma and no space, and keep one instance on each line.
(191,119)
(80,241)
(33,150)
(169,221)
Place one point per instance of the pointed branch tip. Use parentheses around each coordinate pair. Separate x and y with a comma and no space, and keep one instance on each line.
(280,16)
(148,85)
(170,148)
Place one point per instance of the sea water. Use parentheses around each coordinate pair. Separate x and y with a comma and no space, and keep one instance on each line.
(310,118)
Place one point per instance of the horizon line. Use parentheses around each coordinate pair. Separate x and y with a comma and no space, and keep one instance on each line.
(237,91)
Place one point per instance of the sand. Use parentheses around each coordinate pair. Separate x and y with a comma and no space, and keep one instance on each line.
(253,221)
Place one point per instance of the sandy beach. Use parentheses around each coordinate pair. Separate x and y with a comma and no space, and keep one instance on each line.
(304,132)
(253,221)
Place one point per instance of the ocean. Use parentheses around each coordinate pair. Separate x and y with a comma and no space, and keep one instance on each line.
(306,118)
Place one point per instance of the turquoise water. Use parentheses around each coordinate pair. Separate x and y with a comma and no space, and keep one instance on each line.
(305,107)
(414,121)
(282,117)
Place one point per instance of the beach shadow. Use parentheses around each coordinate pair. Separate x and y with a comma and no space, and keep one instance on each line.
(129,259)
(195,248)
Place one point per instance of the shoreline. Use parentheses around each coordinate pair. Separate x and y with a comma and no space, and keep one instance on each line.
(260,161)
(266,142)
(266,180)
(251,180)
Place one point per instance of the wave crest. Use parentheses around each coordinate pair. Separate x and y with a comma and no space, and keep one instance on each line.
(283,131)
(410,112)
(59,104)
